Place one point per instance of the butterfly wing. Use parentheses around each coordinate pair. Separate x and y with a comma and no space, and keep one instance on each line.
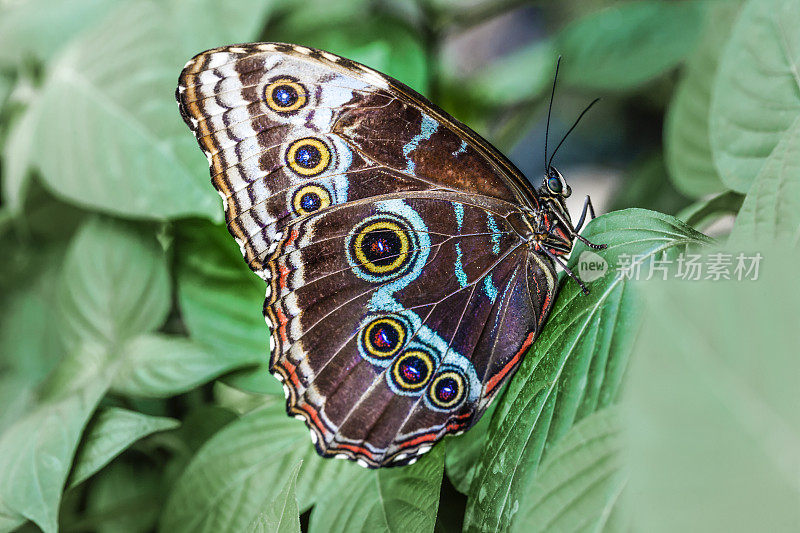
(401,291)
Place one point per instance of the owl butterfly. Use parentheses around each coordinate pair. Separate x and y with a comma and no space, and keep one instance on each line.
(409,265)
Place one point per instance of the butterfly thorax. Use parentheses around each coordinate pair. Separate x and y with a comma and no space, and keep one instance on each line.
(552,229)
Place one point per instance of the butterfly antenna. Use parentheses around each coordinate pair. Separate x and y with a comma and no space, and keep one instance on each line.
(564,138)
(549,110)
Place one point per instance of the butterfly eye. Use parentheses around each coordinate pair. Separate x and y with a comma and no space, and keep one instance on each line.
(308,157)
(285,95)
(412,370)
(309,199)
(554,184)
(447,390)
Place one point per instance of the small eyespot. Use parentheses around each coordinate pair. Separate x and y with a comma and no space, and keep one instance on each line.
(383,337)
(447,390)
(310,198)
(308,157)
(285,95)
(412,370)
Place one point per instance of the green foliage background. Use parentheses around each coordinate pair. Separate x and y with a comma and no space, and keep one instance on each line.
(133,379)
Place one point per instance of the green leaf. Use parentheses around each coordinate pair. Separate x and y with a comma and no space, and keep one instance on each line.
(114,284)
(282,515)
(580,484)
(463,452)
(386,499)
(128,151)
(221,302)
(626,45)
(756,95)
(9,521)
(575,367)
(242,466)
(515,78)
(44,219)
(17,396)
(159,366)
(115,139)
(18,152)
(326,13)
(204,24)
(699,213)
(712,394)
(254,380)
(686,132)
(124,496)
(237,400)
(36,453)
(202,423)
(6,86)
(198,426)
(647,186)
(40,28)
(771,209)
(28,348)
(109,433)
(382,43)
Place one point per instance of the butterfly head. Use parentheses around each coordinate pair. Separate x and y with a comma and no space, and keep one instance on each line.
(553,228)
(555,185)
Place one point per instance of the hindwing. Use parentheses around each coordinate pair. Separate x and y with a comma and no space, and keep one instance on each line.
(401,293)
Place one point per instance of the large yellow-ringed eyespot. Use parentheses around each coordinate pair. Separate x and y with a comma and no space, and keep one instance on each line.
(412,370)
(382,247)
(383,337)
(310,198)
(447,389)
(285,95)
(308,157)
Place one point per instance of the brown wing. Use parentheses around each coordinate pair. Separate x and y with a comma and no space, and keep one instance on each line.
(369,212)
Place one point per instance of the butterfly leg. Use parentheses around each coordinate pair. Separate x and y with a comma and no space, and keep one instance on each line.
(587,208)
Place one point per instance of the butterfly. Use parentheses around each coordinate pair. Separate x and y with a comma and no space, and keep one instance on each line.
(409,265)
